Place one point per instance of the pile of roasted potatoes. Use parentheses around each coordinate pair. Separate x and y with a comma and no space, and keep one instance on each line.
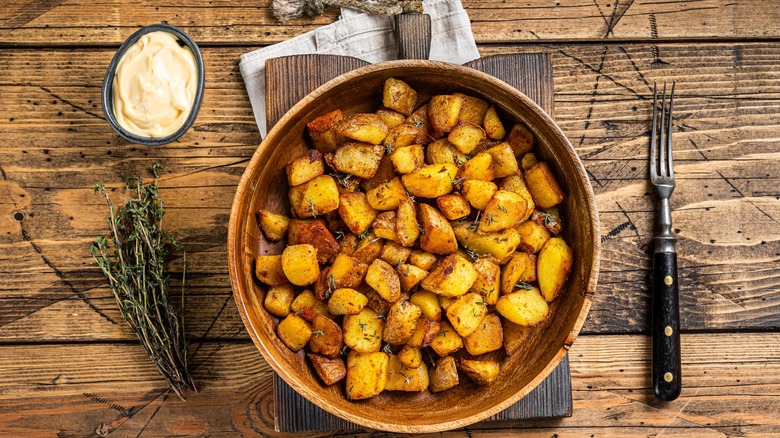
(414,233)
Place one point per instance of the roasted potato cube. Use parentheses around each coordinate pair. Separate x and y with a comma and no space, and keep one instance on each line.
(359,159)
(394,253)
(294,332)
(516,184)
(366,374)
(500,244)
(489,337)
(437,236)
(422,259)
(431,181)
(504,161)
(326,337)
(390,117)
(366,128)
(346,301)
(528,161)
(401,322)
(411,357)
(387,196)
(441,151)
(478,193)
(383,279)
(419,119)
(319,196)
(473,110)
(375,301)
(550,218)
(447,341)
(513,271)
(399,96)
(493,126)
(274,226)
(453,206)
(480,167)
(402,135)
(529,275)
(443,112)
(444,375)
(308,306)
(322,133)
(407,159)
(268,269)
(329,370)
(347,271)
(466,313)
(488,280)
(384,173)
(294,230)
(428,302)
(368,248)
(504,210)
(515,336)
(356,212)
(482,372)
(532,236)
(424,333)
(521,139)
(300,266)
(466,137)
(278,299)
(363,332)
(384,226)
(525,307)
(553,267)
(403,378)
(445,302)
(325,286)
(410,276)
(317,235)
(305,169)
(452,277)
(407,229)
(543,186)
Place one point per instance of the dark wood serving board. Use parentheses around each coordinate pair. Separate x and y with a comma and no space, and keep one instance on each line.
(292,78)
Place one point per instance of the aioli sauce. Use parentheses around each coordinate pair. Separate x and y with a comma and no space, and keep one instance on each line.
(155,85)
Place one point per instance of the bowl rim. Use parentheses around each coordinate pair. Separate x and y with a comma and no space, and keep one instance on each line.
(107,92)
(235,254)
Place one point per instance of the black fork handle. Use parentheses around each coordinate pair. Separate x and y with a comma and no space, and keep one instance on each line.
(667,368)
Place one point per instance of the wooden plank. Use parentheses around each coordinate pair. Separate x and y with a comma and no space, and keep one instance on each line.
(725,207)
(244,22)
(731,388)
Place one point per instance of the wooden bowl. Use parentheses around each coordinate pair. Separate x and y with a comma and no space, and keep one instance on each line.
(264,186)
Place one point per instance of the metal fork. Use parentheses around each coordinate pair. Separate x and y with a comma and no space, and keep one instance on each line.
(666,314)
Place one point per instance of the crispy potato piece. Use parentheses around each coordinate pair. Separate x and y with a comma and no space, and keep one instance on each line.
(480,167)
(363,332)
(500,244)
(515,336)
(424,333)
(489,337)
(504,161)
(410,276)
(533,236)
(299,263)
(294,230)
(402,135)
(554,266)
(347,271)
(445,302)
(452,277)
(443,111)
(453,206)
(441,151)
(399,96)
(368,249)
(326,284)
(384,173)
(488,280)
(528,161)
(366,374)
(356,212)
(407,229)
(401,322)
(431,181)
(437,236)
(383,279)
(482,372)
(268,269)
(317,197)
(525,307)
(346,301)
(305,169)
(521,139)
(294,332)
(358,159)
(403,378)
(326,337)
(529,275)
(384,226)
(422,259)
(366,128)
(473,110)
(466,313)
(376,302)
(386,196)
(329,370)
(447,341)
(550,218)
(466,137)
(278,299)
(516,184)
(478,193)
(308,305)
(428,302)
(411,357)
(444,375)
(317,235)
(493,126)
(419,119)
(390,117)
(513,271)
(407,159)
(274,226)
(543,186)
(504,210)
(322,133)
(394,253)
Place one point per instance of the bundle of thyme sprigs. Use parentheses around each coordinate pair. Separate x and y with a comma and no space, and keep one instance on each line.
(134,263)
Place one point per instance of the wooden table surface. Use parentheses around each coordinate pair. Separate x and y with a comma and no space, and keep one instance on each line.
(70,366)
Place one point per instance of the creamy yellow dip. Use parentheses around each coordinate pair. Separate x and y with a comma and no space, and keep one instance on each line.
(155,85)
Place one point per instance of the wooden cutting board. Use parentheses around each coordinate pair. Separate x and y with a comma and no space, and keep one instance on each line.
(291,78)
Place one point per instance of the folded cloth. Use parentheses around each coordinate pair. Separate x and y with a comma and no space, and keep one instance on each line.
(363,36)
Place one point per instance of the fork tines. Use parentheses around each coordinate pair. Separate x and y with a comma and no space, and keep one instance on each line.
(661,169)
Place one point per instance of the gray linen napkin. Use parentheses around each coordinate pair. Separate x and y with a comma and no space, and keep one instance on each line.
(363,36)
